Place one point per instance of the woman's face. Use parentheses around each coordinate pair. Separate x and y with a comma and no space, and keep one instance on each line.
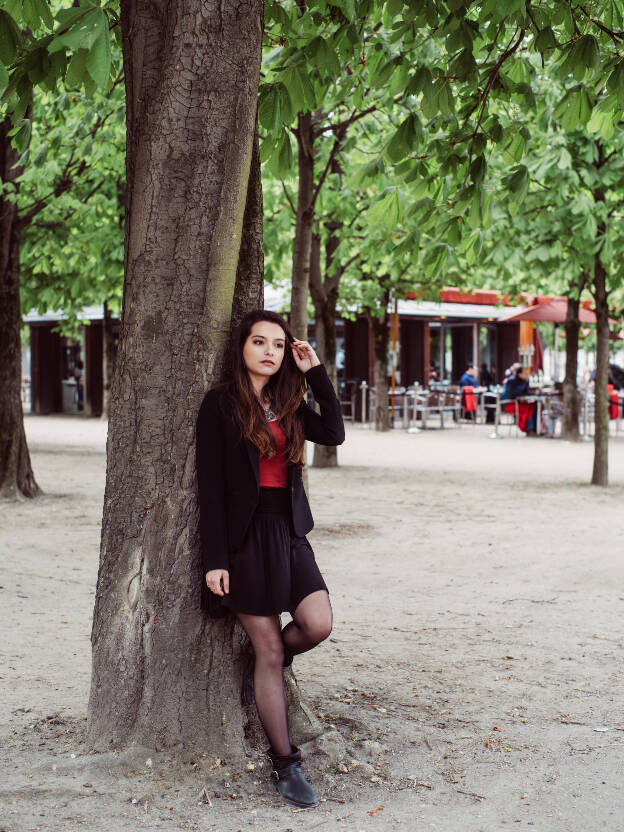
(264,349)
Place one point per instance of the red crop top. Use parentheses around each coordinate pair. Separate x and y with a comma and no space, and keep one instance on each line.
(274,471)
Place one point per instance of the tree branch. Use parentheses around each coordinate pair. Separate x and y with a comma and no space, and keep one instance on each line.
(289,198)
(615,36)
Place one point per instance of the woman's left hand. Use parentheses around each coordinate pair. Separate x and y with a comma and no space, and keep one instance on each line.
(304,355)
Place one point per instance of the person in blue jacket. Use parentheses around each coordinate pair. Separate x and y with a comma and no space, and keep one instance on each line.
(469,378)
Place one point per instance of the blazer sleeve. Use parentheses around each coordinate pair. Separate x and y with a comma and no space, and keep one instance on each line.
(326,427)
(211,485)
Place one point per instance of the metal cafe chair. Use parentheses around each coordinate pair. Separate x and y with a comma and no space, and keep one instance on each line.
(430,405)
(453,404)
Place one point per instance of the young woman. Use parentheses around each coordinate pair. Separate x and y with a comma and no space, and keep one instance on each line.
(254,514)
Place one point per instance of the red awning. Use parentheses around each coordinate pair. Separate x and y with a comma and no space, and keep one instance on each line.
(554,311)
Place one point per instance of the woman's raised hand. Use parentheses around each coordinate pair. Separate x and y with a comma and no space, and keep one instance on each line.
(218,581)
(304,355)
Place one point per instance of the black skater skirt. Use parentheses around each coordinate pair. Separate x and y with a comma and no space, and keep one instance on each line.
(273,570)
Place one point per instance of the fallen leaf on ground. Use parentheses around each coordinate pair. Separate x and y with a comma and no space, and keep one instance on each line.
(374,811)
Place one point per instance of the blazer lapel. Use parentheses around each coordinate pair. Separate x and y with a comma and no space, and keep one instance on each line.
(252,450)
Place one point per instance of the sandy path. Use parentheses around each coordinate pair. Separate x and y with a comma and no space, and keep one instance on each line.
(478,597)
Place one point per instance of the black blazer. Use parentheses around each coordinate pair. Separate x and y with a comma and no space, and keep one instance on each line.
(228,473)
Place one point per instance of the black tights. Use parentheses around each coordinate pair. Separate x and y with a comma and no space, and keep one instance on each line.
(312,622)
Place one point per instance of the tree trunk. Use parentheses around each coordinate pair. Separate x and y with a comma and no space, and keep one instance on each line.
(17,479)
(325,298)
(108,355)
(249,288)
(570,387)
(163,674)
(302,247)
(381,336)
(600,474)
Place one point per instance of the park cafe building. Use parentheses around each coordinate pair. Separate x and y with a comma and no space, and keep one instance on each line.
(66,375)
(462,328)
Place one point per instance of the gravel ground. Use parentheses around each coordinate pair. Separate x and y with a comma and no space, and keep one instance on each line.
(472,683)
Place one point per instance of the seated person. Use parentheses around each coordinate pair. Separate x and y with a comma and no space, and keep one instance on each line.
(469,378)
(516,387)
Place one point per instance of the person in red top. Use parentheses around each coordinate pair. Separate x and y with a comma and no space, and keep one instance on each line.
(254,514)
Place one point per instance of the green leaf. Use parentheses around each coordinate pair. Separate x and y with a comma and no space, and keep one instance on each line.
(383,75)
(563,15)
(388,210)
(4,78)
(464,64)
(477,169)
(590,52)
(30,14)
(281,161)
(615,84)
(275,106)
(267,148)
(421,81)
(368,172)
(300,89)
(603,123)
(348,8)
(21,134)
(10,38)
(77,69)
(325,55)
(582,56)
(99,59)
(515,146)
(494,129)
(436,259)
(517,182)
(24,92)
(394,7)
(545,40)
(407,138)
(444,96)
(82,34)
(575,108)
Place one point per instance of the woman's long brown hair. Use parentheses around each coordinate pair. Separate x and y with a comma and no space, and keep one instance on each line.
(285,390)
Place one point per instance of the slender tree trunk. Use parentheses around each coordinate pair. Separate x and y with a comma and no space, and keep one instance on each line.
(600,474)
(381,337)
(108,356)
(163,674)
(304,224)
(17,479)
(325,298)
(570,387)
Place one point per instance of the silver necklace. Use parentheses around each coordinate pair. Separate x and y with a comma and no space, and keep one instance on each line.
(269,415)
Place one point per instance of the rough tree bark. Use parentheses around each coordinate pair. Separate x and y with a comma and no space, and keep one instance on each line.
(600,473)
(325,298)
(302,246)
(570,386)
(108,352)
(163,674)
(17,479)
(381,337)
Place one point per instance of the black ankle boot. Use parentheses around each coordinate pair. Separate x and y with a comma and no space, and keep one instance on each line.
(290,782)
